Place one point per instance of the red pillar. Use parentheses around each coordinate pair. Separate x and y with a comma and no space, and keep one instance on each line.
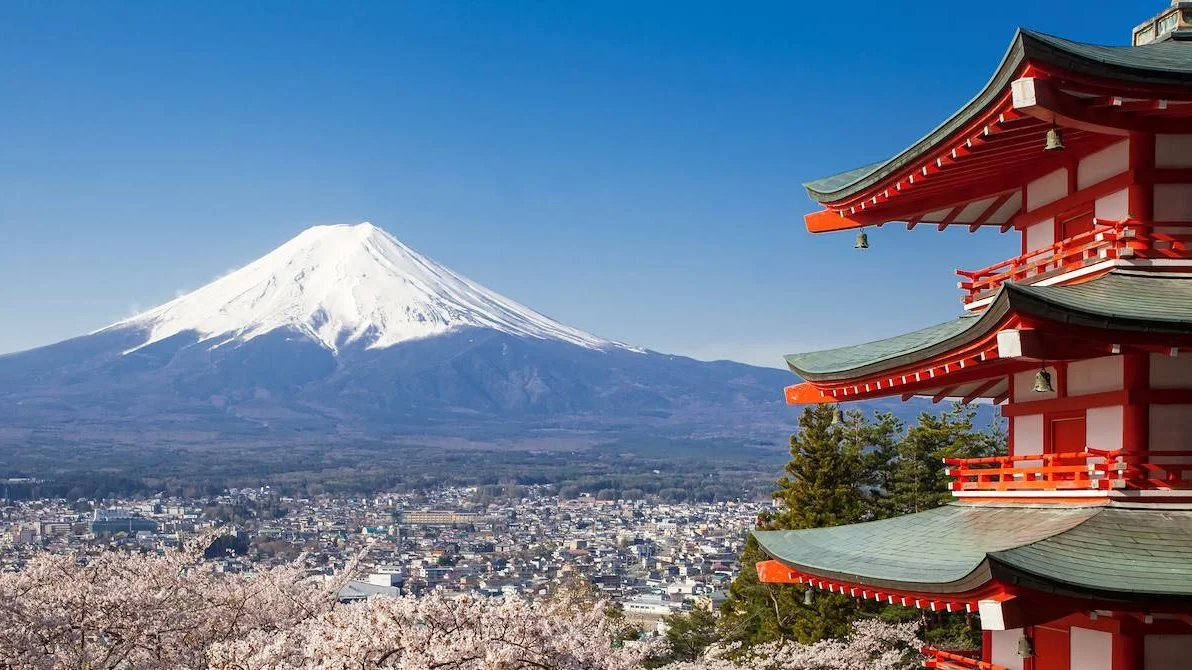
(1142,163)
(1136,416)
(1128,650)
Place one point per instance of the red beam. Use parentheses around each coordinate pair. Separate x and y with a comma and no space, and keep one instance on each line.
(1067,404)
(1040,98)
(806,393)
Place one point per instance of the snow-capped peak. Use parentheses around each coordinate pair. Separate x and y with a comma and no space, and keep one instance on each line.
(347,284)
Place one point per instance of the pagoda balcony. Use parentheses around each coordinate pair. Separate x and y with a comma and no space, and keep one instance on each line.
(1089,470)
(1108,241)
(952,660)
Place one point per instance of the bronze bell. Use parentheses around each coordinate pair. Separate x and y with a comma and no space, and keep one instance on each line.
(862,240)
(837,417)
(1043,381)
(808,597)
(1026,648)
(1055,140)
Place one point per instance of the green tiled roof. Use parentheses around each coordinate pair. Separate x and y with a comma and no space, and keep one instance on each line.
(1130,300)
(1116,549)
(1120,300)
(938,547)
(1143,551)
(1163,63)
(842,359)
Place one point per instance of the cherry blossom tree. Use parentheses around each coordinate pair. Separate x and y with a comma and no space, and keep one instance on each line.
(120,611)
(125,610)
(872,644)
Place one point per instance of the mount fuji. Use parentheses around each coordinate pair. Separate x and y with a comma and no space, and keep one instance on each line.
(344,333)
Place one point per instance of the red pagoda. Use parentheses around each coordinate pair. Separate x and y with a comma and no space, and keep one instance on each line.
(1075,549)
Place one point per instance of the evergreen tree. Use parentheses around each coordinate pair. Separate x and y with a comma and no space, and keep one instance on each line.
(917,479)
(878,441)
(823,486)
(688,634)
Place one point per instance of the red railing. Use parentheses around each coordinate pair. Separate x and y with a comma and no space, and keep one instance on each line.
(951,660)
(1084,470)
(1161,470)
(1108,240)
(1092,469)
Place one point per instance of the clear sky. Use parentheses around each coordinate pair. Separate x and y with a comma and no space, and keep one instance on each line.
(629,168)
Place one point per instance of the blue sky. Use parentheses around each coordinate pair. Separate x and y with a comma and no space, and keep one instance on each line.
(629,168)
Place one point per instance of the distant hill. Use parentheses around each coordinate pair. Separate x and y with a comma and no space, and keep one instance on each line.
(344,333)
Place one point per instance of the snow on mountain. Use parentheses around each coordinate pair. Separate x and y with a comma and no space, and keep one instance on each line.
(347,284)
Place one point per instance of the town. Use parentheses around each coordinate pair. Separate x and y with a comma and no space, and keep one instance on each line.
(652,559)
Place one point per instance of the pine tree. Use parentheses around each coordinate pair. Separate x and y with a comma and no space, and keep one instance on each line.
(823,486)
(918,481)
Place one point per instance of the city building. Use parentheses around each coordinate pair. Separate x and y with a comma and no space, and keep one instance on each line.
(1076,548)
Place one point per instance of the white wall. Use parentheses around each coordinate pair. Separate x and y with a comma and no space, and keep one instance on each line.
(1091,649)
(1171,428)
(1113,207)
(1173,151)
(1171,373)
(1164,652)
(1005,648)
(1028,434)
(1103,427)
(1096,168)
(1039,235)
(1047,189)
(1095,375)
(1173,202)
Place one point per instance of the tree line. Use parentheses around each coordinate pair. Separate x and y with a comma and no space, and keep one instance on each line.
(845,468)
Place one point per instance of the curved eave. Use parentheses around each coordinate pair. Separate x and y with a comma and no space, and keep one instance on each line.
(952,544)
(961,549)
(980,327)
(1157,65)
(1118,302)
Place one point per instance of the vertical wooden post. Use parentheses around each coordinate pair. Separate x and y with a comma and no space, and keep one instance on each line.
(1141,193)
(1128,649)
(1136,416)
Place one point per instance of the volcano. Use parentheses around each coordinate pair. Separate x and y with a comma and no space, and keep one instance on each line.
(345,333)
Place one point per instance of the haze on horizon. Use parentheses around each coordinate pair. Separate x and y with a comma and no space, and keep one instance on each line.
(630,170)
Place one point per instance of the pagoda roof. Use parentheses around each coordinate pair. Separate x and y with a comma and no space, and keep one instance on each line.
(1166,63)
(1121,300)
(1138,550)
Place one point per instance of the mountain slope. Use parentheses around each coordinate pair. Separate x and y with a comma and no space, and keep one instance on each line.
(346,285)
(345,333)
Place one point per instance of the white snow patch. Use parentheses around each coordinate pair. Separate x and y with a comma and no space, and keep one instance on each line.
(345,284)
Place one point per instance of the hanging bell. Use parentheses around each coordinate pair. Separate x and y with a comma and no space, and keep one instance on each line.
(862,240)
(1026,649)
(1043,381)
(1055,140)
(808,597)
(837,416)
